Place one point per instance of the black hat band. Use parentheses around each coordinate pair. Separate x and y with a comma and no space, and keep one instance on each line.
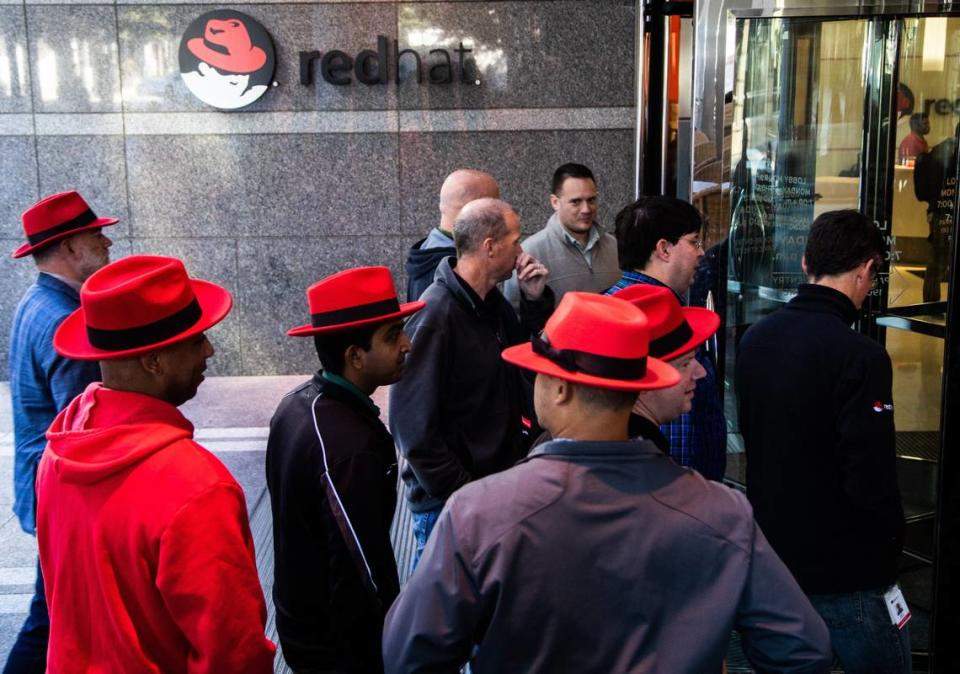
(82,220)
(671,341)
(361,312)
(145,335)
(608,367)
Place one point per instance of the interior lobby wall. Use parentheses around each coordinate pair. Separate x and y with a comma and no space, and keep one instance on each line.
(309,179)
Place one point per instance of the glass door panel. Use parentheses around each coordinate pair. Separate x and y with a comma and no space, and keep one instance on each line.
(798,122)
(922,226)
(855,113)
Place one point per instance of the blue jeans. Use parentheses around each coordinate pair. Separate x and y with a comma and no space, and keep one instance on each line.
(29,652)
(423,524)
(864,639)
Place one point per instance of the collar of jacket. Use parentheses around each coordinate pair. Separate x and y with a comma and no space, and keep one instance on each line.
(330,389)
(813,297)
(642,428)
(455,285)
(53,283)
(594,449)
(635,277)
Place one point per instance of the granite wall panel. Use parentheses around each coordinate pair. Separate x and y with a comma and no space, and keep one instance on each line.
(73,54)
(522,162)
(308,180)
(525,54)
(95,166)
(14,73)
(263,185)
(274,276)
(18,180)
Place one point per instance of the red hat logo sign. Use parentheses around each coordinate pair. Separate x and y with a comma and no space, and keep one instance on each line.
(227,59)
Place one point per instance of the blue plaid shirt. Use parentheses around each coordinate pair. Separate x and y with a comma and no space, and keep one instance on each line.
(41,382)
(698,438)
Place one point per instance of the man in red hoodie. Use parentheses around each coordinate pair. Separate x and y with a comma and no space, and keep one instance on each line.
(144,540)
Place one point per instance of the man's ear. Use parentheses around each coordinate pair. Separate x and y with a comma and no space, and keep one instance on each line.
(487,245)
(353,357)
(555,202)
(152,363)
(66,246)
(803,265)
(565,391)
(662,250)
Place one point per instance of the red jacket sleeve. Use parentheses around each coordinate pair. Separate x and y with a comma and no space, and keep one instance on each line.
(207,576)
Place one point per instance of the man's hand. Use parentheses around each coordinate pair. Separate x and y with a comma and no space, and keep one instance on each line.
(532,276)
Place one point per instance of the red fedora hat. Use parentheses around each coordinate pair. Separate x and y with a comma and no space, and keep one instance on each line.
(597,341)
(353,299)
(138,304)
(226,45)
(674,329)
(56,217)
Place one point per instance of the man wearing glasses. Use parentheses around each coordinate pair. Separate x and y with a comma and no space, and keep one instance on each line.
(658,242)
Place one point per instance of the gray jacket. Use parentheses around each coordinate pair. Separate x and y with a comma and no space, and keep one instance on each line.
(568,268)
(600,557)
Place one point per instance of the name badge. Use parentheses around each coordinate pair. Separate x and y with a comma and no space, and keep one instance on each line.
(897,606)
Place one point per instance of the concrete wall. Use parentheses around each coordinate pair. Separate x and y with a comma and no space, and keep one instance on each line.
(307,180)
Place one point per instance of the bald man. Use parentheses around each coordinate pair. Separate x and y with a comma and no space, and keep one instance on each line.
(460,188)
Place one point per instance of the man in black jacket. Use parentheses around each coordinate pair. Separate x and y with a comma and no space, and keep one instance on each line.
(332,475)
(816,412)
(460,188)
(458,413)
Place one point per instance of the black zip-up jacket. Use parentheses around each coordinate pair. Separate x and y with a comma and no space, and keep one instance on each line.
(456,413)
(332,475)
(816,412)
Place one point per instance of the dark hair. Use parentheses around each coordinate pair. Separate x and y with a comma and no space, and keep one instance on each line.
(604,398)
(841,240)
(649,219)
(332,347)
(569,171)
(905,100)
(44,254)
(917,119)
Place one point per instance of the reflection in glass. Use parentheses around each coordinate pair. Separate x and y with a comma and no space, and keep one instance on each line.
(923,225)
(47,71)
(798,122)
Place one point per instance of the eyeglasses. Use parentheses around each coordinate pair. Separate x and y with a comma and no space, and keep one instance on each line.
(697,243)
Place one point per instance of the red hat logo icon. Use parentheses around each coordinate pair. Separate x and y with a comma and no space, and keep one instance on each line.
(227,59)
(226,45)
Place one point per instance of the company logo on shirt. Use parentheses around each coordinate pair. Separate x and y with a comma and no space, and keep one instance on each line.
(227,59)
(880,406)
